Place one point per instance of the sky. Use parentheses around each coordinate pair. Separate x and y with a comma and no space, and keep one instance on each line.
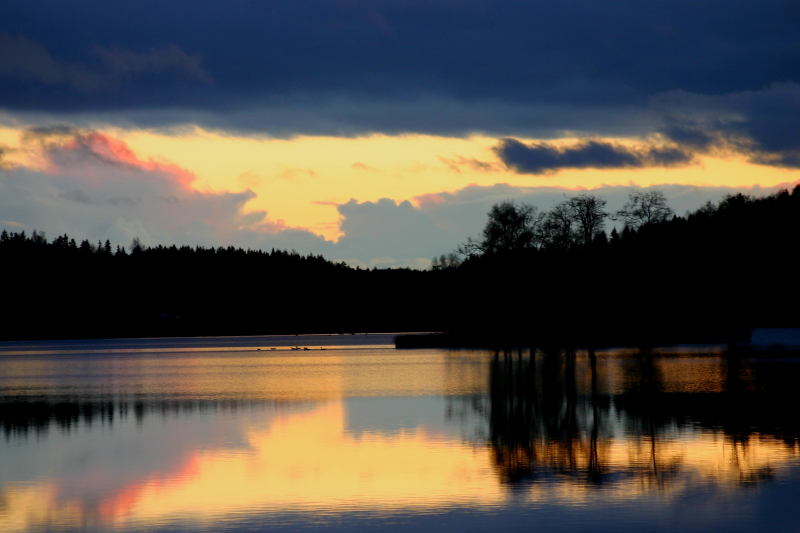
(380,132)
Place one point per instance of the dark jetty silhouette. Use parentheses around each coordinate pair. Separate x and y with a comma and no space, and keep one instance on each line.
(620,336)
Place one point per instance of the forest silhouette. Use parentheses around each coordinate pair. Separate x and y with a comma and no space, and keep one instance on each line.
(531,278)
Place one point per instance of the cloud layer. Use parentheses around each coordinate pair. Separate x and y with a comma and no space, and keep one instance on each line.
(29,61)
(542,157)
(762,124)
(93,186)
(705,71)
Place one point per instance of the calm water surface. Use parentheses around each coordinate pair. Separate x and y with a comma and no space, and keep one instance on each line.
(248,434)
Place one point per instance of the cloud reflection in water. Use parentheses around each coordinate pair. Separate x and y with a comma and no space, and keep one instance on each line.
(564,432)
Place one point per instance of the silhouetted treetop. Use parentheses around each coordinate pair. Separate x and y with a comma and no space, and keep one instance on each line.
(511,228)
(645,207)
(587,212)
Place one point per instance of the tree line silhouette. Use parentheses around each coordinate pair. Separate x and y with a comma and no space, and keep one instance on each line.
(62,289)
(25,416)
(557,278)
(552,277)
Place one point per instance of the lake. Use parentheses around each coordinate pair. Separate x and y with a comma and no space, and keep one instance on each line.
(346,433)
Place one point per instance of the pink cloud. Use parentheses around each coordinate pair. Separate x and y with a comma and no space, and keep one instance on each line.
(270,226)
(90,183)
(116,152)
(433,199)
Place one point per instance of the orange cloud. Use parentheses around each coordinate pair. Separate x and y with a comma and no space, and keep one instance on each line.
(122,504)
(117,152)
(88,182)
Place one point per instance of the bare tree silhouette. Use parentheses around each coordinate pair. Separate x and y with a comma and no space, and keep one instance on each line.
(589,216)
(644,207)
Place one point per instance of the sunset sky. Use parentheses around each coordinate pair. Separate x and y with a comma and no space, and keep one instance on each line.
(380,132)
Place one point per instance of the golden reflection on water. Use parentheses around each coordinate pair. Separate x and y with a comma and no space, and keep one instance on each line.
(293,376)
(308,461)
(669,468)
(301,461)
(549,437)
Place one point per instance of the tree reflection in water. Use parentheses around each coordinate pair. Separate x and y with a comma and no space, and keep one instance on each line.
(562,416)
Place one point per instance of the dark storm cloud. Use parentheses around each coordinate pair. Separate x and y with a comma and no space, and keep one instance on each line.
(764,124)
(542,157)
(507,67)
(28,61)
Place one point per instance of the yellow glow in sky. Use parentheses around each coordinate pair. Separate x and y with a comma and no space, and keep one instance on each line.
(300,180)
